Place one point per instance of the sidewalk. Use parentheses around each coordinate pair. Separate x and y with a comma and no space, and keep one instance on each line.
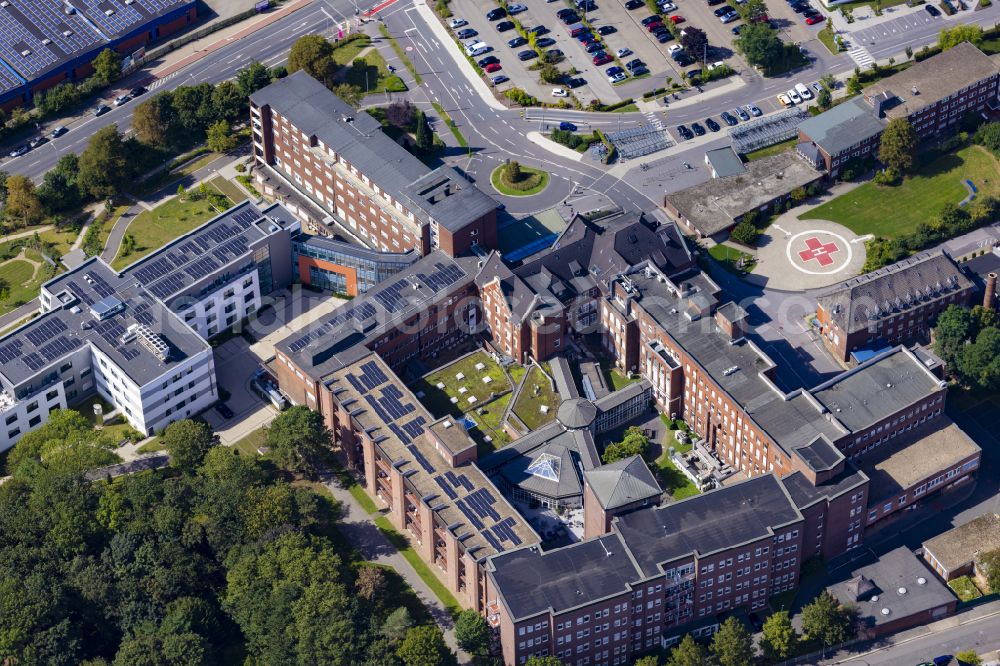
(357,527)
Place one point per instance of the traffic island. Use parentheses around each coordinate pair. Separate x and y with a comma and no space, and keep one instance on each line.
(514,180)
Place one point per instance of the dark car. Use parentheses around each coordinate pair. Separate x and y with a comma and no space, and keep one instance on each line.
(607,30)
(496,14)
(634,63)
(565,11)
(517,41)
(698,129)
(712,3)
(683,59)
(593,47)
(499,78)
(466,33)
(664,37)
(932,10)
(723,10)
(101,110)
(539,30)
(634,4)
(640,71)
(586,5)
(544,42)
(736,29)
(224,411)
(57,132)
(527,54)
(571,18)
(653,27)
(729,118)
(602,58)
(585,36)
(693,74)
(38,140)
(567,126)
(553,55)
(712,125)
(504,26)
(575,82)
(650,19)
(138,90)
(685,132)
(20,150)
(488,60)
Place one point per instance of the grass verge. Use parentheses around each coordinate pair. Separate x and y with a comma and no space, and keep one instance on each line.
(400,53)
(730,258)
(402,544)
(965,588)
(534,181)
(249,444)
(457,133)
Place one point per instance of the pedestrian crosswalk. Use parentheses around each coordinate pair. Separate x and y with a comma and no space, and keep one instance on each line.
(653,119)
(861,56)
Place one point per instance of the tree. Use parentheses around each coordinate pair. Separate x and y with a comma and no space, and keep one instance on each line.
(978,364)
(298,440)
(220,137)
(252,78)
(155,121)
(649,660)
(314,55)
(104,166)
(187,442)
(59,189)
(761,45)
(854,85)
(826,621)
(969,658)
(779,639)
(695,41)
(687,653)
(828,81)
(396,625)
(753,10)
(988,136)
(425,646)
(745,232)
(824,98)
(909,52)
(549,73)
(950,37)
(3,186)
(732,644)
(953,327)
(424,137)
(634,443)
(401,114)
(370,583)
(173,650)
(472,632)
(543,661)
(513,171)
(23,204)
(898,145)
(107,66)
(228,101)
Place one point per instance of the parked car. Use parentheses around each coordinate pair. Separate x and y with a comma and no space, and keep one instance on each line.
(754,111)
(698,129)
(20,150)
(499,78)
(803,92)
(488,60)
(723,10)
(730,17)
(517,41)
(736,29)
(586,5)
(621,53)
(593,47)
(527,54)
(634,4)
(224,411)
(617,78)
(683,59)
(38,140)
(607,30)
(785,101)
(640,71)
(101,109)
(684,132)
(932,10)
(650,19)
(693,74)
(567,126)
(794,96)
(560,92)
(741,112)
(492,67)
(566,11)
(570,19)
(516,8)
(814,19)
(466,33)
(667,7)
(538,30)
(675,48)
(457,23)
(553,55)
(602,58)
(58,132)
(728,118)
(544,42)
(138,90)
(653,27)
(611,71)
(575,82)
(121,99)
(496,14)
(635,63)
(504,26)
(677,19)
(664,37)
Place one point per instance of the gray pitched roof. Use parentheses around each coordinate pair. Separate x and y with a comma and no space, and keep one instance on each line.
(843,126)
(819,454)
(622,482)
(725,162)
(576,413)
(896,288)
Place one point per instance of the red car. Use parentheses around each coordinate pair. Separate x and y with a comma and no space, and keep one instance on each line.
(492,67)
(653,27)
(602,59)
(677,18)
(814,19)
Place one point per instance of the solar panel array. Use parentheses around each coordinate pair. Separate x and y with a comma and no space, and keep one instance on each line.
(8,80)
(358,312)
(59,347)
(10,351)
(443,276)
(24,24)
(124,17)
(99,285)
(391,297)
(45,331)
(80,293)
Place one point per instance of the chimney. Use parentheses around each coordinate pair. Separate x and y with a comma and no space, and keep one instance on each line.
(991,290)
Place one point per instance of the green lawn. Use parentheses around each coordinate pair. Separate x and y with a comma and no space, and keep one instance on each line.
(729,256)
(965,588)
(152,229)
(537,391)
(538,179)
(673,480)
(229,188)
(16,278)
(771,150)
(61,238)
(891,212)
(375,76)
(402,544)
(438,400)
(248,445)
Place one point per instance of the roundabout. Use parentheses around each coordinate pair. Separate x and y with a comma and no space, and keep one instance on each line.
(524,182)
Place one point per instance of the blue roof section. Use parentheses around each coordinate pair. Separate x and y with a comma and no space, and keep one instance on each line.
(868,353)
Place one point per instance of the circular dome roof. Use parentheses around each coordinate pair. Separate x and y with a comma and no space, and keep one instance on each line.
(576,413)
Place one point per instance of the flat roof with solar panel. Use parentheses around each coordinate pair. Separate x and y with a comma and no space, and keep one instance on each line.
(463,498)
(38,37)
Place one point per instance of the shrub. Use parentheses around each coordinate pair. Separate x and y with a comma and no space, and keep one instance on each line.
(745,232)
(519,96)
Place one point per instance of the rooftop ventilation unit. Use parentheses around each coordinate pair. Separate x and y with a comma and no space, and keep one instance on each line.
(46,41)
(109,12)
(153,343)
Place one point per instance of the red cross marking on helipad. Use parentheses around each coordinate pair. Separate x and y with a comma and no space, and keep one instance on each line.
(819,251)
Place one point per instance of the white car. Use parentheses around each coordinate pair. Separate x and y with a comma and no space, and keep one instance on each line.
(516,8)
(754,111)
(668,7)
(803,92)
(674,48)
(560,92)
(457,23)
(715,65)
(122,99)
(794,96)
(615,78)
(785,101)
(621,53)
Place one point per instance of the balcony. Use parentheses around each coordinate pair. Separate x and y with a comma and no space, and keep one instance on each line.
(493,613)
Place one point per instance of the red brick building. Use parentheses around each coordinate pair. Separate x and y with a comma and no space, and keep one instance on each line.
(368,186)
